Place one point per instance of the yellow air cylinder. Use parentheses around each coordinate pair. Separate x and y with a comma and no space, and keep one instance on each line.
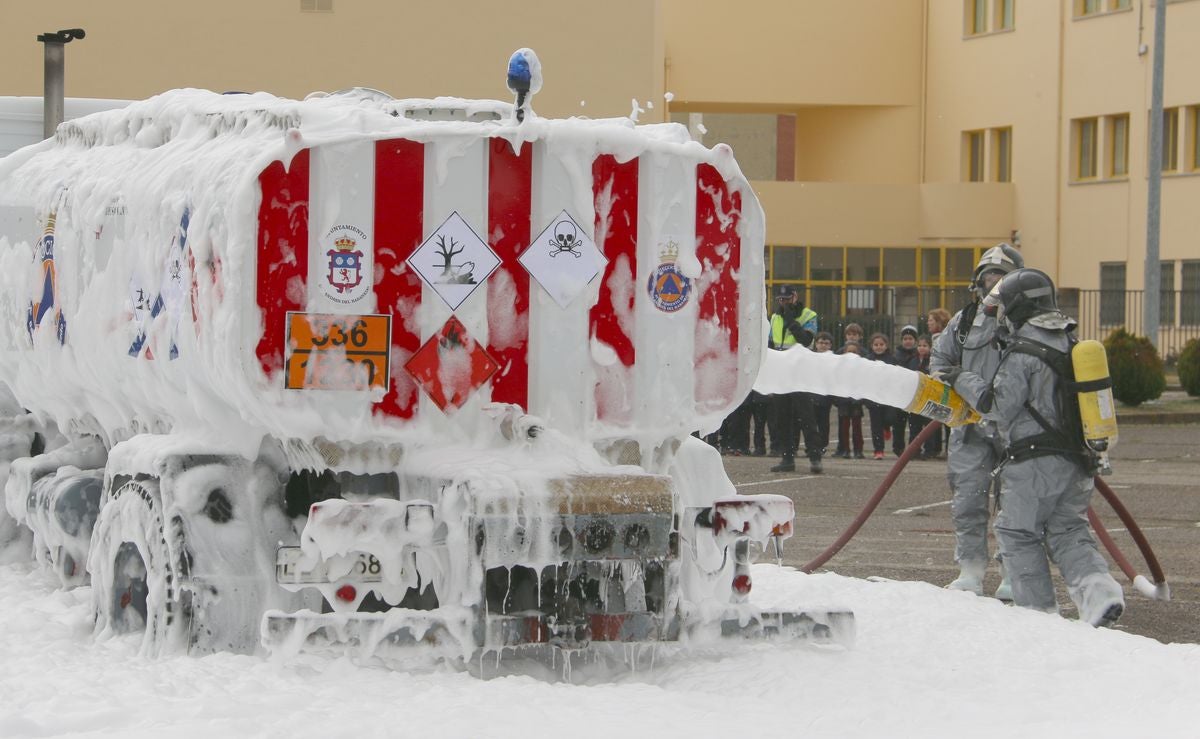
(1096,407)
(937,400)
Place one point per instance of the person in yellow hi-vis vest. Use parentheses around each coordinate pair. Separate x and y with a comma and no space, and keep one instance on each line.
(793,323)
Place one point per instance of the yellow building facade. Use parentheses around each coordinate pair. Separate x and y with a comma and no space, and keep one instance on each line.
(890,141)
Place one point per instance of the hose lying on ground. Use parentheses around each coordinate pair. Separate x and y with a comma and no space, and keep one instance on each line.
(873,503)
(1158,589)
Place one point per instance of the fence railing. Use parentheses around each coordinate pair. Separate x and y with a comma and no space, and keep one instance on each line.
(886,310)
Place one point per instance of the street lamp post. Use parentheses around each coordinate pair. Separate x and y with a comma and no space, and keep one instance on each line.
(1151,299)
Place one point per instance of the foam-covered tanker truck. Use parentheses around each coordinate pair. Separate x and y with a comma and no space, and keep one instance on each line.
(384,373)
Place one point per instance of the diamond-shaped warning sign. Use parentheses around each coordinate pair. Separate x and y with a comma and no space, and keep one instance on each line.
(451,366)
(454,261)
(563,259)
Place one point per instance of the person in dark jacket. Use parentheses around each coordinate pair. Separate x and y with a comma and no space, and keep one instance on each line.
(881,418)
(932,447)
(794,324)
(906,357)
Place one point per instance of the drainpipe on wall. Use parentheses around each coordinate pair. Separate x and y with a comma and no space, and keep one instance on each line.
(54,90)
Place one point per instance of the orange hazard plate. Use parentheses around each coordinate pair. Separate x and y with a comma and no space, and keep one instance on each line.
(332,352)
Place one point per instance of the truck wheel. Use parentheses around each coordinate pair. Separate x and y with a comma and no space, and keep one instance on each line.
(135,565)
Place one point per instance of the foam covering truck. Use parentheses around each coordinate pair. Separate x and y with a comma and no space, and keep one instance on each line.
(375,374)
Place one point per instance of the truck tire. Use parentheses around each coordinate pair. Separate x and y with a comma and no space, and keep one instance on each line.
(138,566)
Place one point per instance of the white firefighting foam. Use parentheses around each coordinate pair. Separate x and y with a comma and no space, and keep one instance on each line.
(120,184)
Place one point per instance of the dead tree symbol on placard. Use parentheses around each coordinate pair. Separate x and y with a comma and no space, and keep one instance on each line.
(453,274)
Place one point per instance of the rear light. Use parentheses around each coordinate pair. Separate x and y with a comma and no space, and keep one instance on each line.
(347,593)
(741,584)
(535,630)
(606,626)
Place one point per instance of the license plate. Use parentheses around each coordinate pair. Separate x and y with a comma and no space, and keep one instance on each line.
(365,568)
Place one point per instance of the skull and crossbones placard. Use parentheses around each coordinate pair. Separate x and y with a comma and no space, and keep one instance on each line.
(563,259)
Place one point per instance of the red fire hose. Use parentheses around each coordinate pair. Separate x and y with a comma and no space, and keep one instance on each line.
(873,503)
(1157,589)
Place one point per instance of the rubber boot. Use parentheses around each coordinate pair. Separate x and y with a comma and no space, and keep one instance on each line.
(787,464)
(970,578)
(1004,590)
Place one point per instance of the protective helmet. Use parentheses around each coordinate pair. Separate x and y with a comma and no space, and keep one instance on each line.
(1002,258)
(1021,295)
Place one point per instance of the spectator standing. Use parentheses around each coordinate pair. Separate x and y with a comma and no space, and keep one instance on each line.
(850,413)
(823,403)
(937,320)
(881,417)
(932,447)
(794,324)
(906,357)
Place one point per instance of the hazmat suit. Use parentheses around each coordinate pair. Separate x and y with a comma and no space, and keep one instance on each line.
(975,450)
(1046,487)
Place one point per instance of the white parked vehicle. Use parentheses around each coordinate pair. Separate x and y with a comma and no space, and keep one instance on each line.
(384,373)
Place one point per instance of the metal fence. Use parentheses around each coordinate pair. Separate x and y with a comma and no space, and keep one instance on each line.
(1100,312)
(886,310)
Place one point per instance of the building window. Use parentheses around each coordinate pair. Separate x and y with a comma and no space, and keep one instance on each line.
(973,161)
(1004,14)
(1084,135)
(787,263)
(891,284)
(1002,154)
(975,17)
(1170,140)
(1193,138)
(1087,7)
(1118,4)
(1166,293)
(1112,294)
(1189,295)
(1117,127)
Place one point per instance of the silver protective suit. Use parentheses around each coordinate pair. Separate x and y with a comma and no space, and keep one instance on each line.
(974,450)
(1044,499)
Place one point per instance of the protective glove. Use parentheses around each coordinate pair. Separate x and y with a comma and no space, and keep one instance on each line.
(949,375)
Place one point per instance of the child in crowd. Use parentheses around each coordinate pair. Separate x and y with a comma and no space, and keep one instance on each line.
(917,423)
(906,357)
(933,445)
(850,413)
(852,334)
(881,418)
(822,403)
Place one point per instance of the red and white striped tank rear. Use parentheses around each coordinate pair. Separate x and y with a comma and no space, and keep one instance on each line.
(664,340)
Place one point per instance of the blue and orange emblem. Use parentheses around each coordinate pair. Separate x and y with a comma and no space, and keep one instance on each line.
(669,288)
(46,302)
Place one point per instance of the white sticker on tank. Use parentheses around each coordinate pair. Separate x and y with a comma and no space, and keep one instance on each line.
(563,259)
(454,261)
